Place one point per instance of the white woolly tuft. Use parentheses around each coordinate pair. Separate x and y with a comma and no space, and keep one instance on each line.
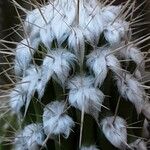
(76,41)
(133,53)
(90,20)
(92,147)
(57,64)
(19,142)
(116,32)
(55,121)
(132,90)
(115,131)
(109,13)
(146,109)
(46,74)
(138,145)
(30,137)
(145,130)
(17,100)
(63,61)
(46,36)
(75,82)
(36,22)
(23,92)
(64,16)
(99,61)
(37,18)
(30,19)
(84,96)
(23,57)
(29,83)
(96,61)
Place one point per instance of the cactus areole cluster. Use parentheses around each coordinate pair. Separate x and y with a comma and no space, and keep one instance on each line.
(83,40)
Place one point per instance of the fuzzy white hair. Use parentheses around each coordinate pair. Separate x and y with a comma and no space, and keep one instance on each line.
(145,129)
(146,109)
(99,61)
(132,90)
(36,18)
(90,20)
(19,142)
(23,56)
(23,92)
(17,100)
(85,96)
(37,22)
(92,147)
(55,121)
(56,64)
(64,16)
(134,53)
(138,145)
(115,131)
(76,41)
(110,13)
(46,36)
(29,83)
(116,32)
(75,82)
(30,137)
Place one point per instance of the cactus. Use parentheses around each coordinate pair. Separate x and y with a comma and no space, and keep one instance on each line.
(78,74)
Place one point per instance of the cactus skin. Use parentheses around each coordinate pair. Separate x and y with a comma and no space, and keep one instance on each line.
(78,70)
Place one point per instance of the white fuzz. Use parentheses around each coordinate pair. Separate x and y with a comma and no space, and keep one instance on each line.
(17,100)
(133,53)
(76,83)
(138,145)
(36,22)
(23,57)
(132,90)
(115,131)
(99,61)
(36,18)
(64,16)
(46,36)
(56,64)
(55,121)
(30,137)
(35,32)
(23,92)
(96,61)
(84,96)
(76,41)
(30,19)
(90,20)
(63,61)
(116,32)
(146,129)
(29,83)
(19,142)
(146,109)
(110,13)
(92,147)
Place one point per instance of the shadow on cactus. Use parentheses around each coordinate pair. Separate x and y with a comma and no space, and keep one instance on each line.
(79,78)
